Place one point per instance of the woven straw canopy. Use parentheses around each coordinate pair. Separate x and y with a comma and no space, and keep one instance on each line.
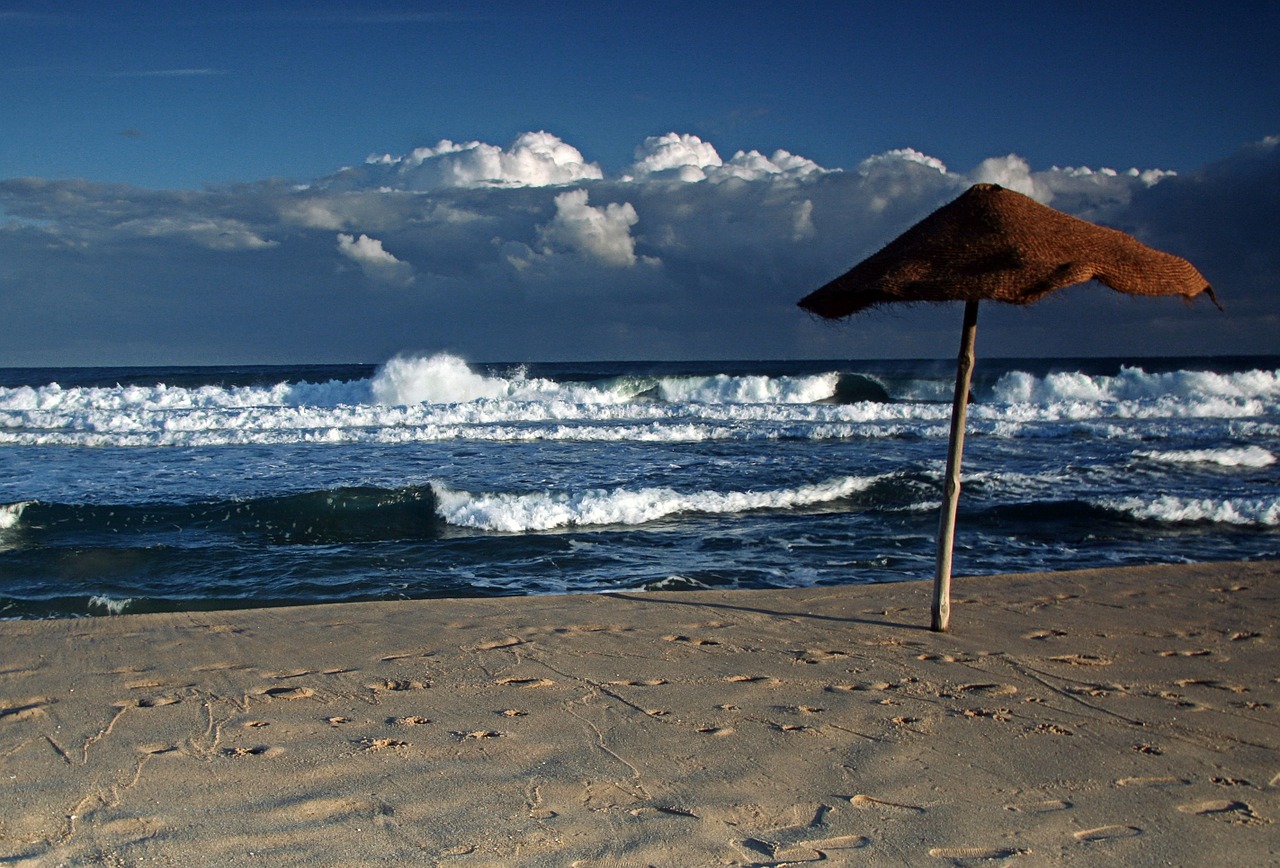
(993,243)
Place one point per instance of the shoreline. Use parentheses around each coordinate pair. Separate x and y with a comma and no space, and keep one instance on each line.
(1128,715)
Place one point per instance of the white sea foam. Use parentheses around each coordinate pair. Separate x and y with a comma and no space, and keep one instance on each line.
(111,605)
(1197,393)
(1248,456)
(446,379)
(546,510)
(443,379)
(1258,511)
(440,398)
(724,389)
(11,514)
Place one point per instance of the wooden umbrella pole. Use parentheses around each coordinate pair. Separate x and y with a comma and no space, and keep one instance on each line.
(951,483)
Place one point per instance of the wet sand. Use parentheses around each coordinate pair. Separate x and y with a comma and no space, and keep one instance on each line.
(1120,716)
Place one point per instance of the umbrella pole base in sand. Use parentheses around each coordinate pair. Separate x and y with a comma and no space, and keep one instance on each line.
(951,482)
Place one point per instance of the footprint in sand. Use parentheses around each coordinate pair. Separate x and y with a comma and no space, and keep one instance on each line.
(1048,806)
(631,682)
(152,684)
(373,745)
(716,730)
(1082,660)
(844,688)
(1050,729)
(1106,833)
(867,802)
(412,720)
(1211,682)
(1235,813)
(25,708)
(525,682)
(977,854)
(147,702)
(814,656)
(405,655)
(157,748)
(689,640)
(495,644)
(985,689)
(1153,782)
(261,750)
(751,679)
(1099,691)
(1044,634)
(289,692)
(945,658)
(804,851)
(398,684)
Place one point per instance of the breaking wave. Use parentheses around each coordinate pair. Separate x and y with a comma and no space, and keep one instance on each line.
(1256,512)
(1247,456)
(440,397)
(513,513)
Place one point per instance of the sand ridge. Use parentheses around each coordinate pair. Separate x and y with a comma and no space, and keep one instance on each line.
(1123,716)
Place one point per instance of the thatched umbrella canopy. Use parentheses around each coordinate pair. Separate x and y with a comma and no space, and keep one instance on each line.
(993,243)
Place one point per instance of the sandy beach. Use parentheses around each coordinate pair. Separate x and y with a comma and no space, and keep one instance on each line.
(1120,716)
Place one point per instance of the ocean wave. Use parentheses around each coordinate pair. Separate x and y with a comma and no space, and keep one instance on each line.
(324,517)
(548,510)
(11,513)
(1257,512)
(447,379)
(440,397)
(1197,392)
(1247,456)
(110,605)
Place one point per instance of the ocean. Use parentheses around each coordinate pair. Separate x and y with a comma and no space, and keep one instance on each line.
(128,490)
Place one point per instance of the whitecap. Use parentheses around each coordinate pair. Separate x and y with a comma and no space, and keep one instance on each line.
(1248,456)
(1260,511)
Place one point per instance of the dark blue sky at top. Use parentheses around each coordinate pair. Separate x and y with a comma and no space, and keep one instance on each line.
(177,95)
(172,184)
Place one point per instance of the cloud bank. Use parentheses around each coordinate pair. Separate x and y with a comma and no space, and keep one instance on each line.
(533,252)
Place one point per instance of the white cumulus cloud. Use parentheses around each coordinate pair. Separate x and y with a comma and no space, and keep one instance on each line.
(684,157)
(603,234)
(1012,172)
(377,263)
(679,156)
(533,160)
(497,240)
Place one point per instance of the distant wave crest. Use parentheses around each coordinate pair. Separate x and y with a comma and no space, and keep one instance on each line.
(441,397)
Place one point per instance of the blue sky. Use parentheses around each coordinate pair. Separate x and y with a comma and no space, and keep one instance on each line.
(108,106)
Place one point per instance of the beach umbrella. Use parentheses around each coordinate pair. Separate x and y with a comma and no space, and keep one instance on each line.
(995,244)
